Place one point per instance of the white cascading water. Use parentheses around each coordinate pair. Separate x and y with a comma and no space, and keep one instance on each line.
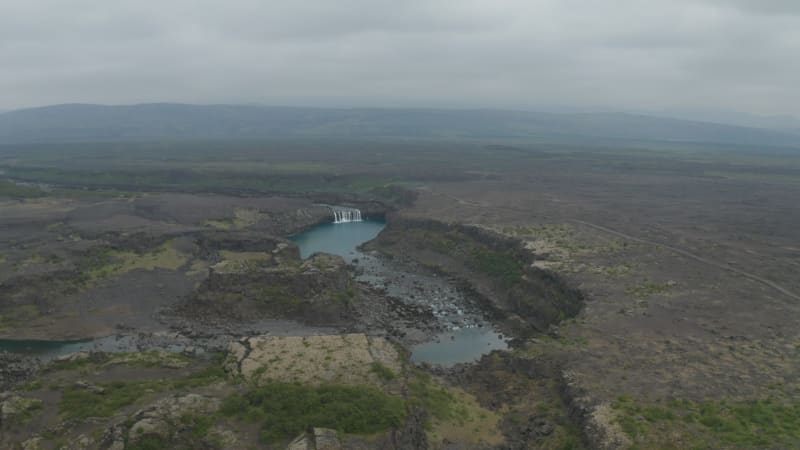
(344,215)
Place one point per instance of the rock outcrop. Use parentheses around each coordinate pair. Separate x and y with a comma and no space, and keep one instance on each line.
(499,270)
(317,291)
(595,419)
(316,439)
(15,369)
(347,359)
(162,418)
(15,408)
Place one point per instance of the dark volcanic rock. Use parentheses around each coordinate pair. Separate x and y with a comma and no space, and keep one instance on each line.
(317,291)
(15,369)
(496,269)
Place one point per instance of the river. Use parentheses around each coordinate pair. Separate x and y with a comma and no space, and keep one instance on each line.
(466,334)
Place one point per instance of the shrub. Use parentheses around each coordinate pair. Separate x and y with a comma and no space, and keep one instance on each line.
(287,409)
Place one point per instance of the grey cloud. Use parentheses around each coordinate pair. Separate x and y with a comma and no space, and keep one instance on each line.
(635,54)
(765,6)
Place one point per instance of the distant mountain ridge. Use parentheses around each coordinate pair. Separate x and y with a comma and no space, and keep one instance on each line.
(86,122)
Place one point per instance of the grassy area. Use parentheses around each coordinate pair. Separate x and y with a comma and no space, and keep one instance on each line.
(501,266)
(384,373)
(345,296)
(454,415)
(243,261)
(9,189)
(648,289)
(188,179)
(287,409)
(105,263)
(81,403)
(761,423)
(439,402)
(13,316)
(23,409)
(757,176)
(242,218)
(151,358)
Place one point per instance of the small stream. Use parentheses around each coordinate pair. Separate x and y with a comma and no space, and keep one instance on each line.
(466,334)
(47,350)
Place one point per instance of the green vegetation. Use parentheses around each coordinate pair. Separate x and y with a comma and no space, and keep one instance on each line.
(615,271)
(439,402)
(150,442)
(226,180)
(104,262)
(345,296)
(384,373)
(118,262)
(151,358)
(764,423)
(212,374)
(503,266)
(80,403)
(31,386)
(191,432)
(243,261)
(286,409)
(23,409)
(394,194)
(648,289)
(242,218)
(10,189)
(499,265)
(278,295)
(538,341)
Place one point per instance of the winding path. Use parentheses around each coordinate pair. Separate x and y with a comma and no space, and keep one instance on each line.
(748,275)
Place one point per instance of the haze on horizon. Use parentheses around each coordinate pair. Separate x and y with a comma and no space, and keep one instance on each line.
(636,55)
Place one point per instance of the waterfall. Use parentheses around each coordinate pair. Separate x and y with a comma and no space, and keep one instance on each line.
(342,214)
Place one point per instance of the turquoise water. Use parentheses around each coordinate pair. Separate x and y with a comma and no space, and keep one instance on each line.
(457,346)
(53,349)
(461,346)
(452,347)
(43,348)
(337,238)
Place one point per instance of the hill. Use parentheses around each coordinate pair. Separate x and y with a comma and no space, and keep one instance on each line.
(83,122)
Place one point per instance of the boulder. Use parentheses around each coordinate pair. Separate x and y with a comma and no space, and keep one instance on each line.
(353,359)
(90,387)
(14,407)
(34,443)
(72,357)
(161,417)
(316,439)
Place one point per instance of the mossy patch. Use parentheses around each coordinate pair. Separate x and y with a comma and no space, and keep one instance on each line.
(13,316)
(80,403)
(467,421)
(498,265)
(20,410)
(351,359)
(287,409)
(106,263)
(242,218)
(13,190)
(152,358)
(242,261)
(761,423)
(649,288)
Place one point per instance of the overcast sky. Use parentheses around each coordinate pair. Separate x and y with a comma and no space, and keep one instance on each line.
(739,55)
